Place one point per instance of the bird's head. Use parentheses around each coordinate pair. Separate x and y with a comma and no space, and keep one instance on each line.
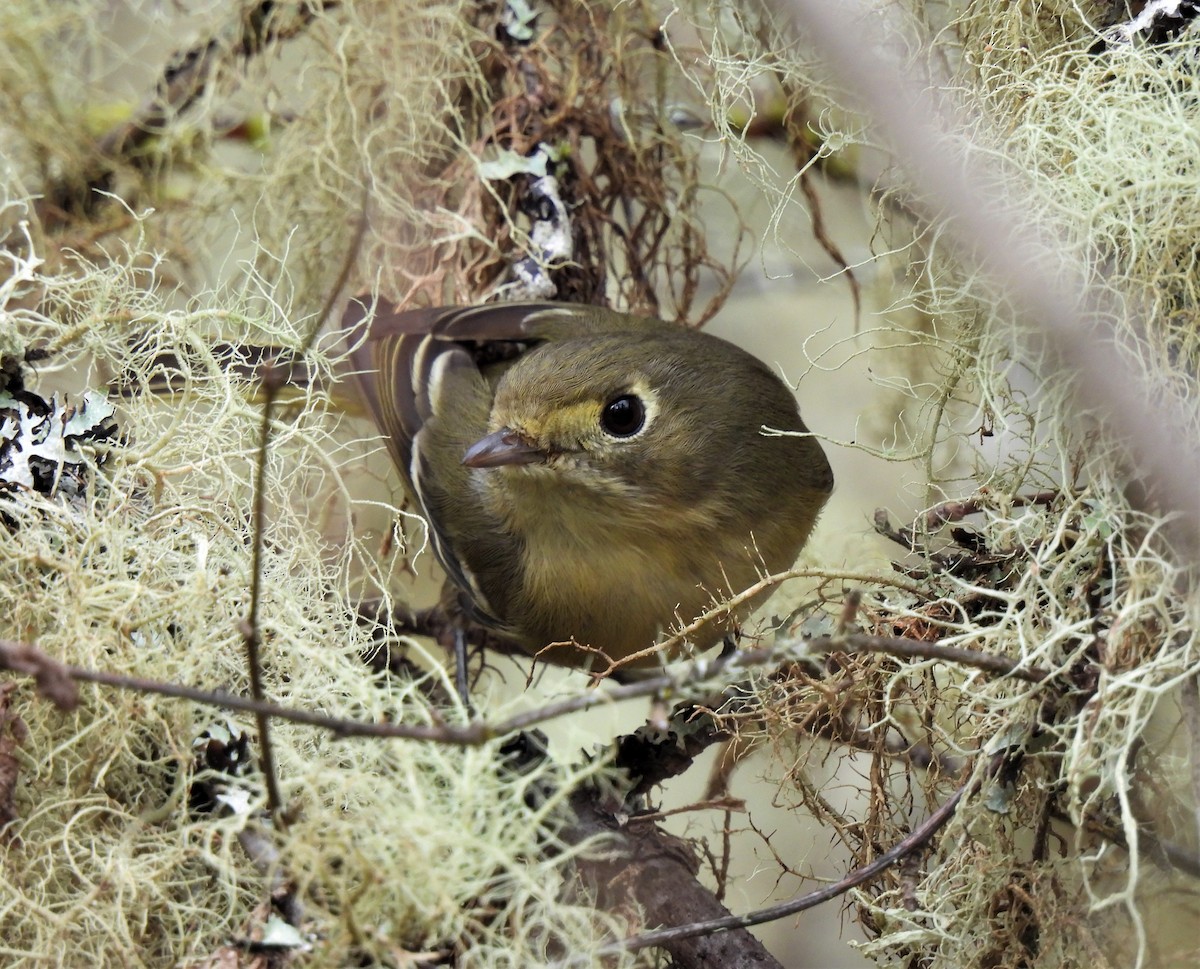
(581,414)
(644,427)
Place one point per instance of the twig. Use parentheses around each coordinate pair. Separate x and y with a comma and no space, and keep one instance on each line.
(21,657)
(859,876)
(273,381)
(249,626)
(903,536)
(850,607)
(820,230)
(24,658)
(723,608)
(952,511)
(54,681)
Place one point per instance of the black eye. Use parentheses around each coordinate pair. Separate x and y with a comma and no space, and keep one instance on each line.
(623,416)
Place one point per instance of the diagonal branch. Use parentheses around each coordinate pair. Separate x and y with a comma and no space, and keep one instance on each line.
(187,75)
(1065,311)
(669,937)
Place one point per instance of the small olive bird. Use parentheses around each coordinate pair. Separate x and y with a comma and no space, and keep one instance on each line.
(589,477)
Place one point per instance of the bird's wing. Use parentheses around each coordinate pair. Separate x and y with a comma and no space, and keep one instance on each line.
(427,395)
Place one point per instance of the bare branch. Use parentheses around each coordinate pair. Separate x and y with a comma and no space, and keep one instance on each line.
(54,681)
(28,659)
(723,608)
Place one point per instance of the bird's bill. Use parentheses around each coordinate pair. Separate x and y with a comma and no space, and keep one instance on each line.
(500,449)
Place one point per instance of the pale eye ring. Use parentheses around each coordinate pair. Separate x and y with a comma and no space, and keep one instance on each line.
(623,416)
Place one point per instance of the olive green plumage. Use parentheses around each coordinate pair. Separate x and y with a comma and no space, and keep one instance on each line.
(589,475)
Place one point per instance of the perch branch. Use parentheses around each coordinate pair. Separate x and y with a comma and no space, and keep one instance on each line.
(27,659)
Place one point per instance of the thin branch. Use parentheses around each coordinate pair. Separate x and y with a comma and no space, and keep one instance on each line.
(958,509)
(821,234)
(723,608)
(25,658)
(249,626)
(54,681)
(917,649)
(274,379)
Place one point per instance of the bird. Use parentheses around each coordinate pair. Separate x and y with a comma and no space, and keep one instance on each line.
(590,478)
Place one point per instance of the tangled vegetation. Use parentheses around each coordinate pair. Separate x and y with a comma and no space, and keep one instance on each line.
(1014,705)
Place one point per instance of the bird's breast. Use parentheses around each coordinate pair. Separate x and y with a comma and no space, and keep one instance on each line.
(617,595)
(618,589)
(594,572)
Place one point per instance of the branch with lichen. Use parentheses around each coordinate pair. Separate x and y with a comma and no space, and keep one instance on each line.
(1041,612)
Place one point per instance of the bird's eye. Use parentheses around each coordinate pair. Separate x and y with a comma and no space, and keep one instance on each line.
(623,416)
